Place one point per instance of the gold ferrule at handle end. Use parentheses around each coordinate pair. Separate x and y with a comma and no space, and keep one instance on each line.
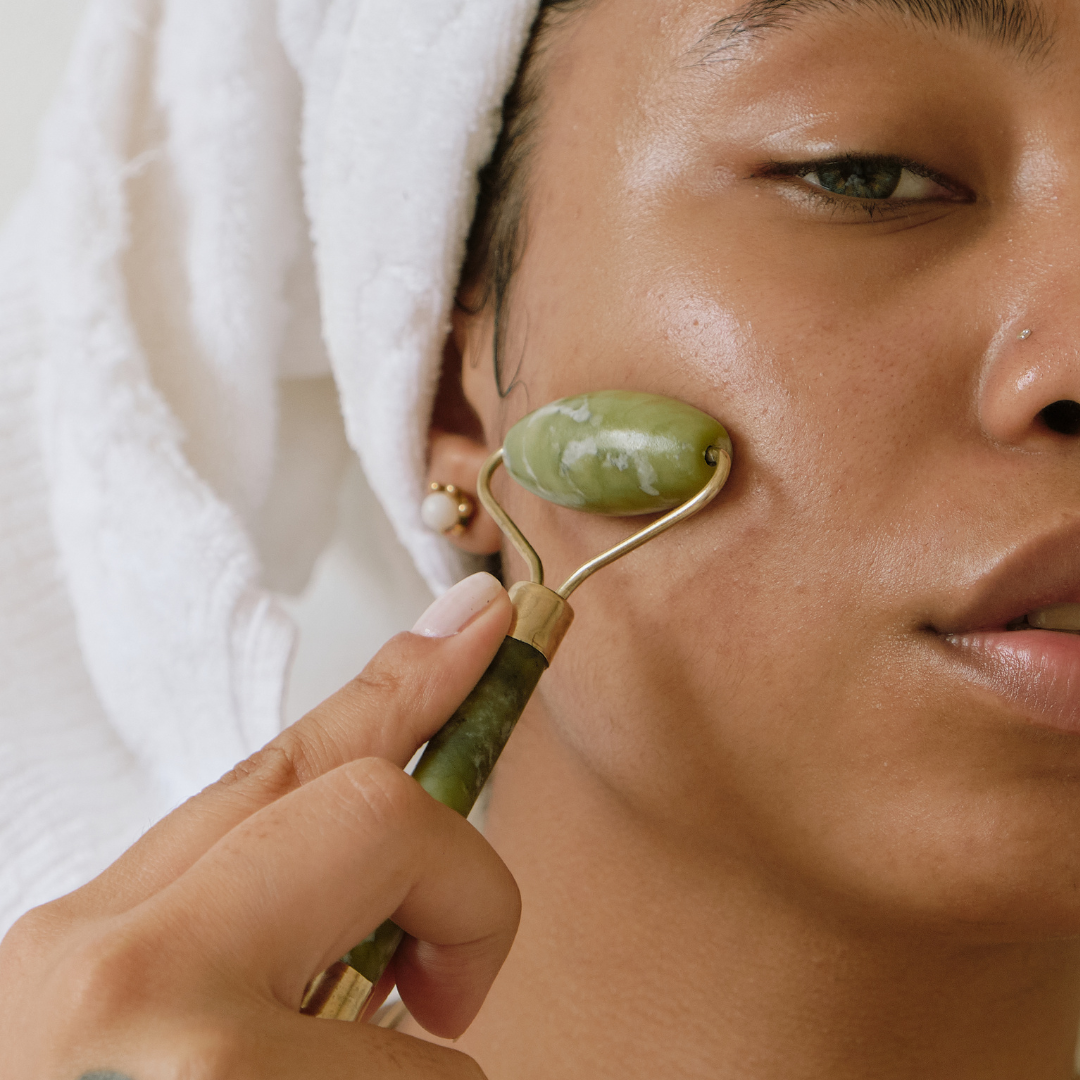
(541,617)
(339,993)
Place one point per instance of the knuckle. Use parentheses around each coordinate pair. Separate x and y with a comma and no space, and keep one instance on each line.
(388,796)
(211,1051)
(389,698)
(30,935)
(115,988)
(271,772)
(28,948)
(399,673)
(104,977)
(380,679)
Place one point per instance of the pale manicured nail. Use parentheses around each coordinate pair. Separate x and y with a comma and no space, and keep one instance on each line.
(455,608)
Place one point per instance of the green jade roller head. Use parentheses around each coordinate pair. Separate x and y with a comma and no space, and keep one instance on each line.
(612,452)
(615,452)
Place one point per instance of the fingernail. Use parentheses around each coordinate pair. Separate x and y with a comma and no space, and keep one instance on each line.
(455,608)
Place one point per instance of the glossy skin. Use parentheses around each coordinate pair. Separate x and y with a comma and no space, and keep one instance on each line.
(823,807)
(791,802)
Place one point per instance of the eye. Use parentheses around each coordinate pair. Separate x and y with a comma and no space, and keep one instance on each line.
(872,179)
(869,186)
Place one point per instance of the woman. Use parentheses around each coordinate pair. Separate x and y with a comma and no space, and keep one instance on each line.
(796,801)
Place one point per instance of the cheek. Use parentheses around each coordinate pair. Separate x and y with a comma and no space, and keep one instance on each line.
(821,753)
(759,679)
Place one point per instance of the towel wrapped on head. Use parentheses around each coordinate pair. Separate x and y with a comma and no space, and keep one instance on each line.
(234,200)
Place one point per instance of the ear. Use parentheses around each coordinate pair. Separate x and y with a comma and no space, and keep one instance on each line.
(456,446)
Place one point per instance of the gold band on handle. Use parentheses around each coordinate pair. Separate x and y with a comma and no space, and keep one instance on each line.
(339,993)
(541,617)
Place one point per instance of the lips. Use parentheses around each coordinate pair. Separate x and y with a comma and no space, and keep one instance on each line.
(1037,671)
(1037,584)
(1019,633)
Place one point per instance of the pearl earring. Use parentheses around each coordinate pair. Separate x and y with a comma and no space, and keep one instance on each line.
(447,510)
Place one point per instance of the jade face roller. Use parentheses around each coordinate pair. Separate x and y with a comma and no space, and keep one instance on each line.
(613,452)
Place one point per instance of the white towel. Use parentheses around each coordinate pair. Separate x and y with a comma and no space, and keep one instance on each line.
(165,322)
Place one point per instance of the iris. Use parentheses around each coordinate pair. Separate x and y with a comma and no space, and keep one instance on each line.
(866,179)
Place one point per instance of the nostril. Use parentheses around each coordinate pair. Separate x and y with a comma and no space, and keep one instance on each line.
(1062,417)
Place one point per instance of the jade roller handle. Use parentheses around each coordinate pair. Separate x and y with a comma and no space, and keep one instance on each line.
(453,769)
(459,759)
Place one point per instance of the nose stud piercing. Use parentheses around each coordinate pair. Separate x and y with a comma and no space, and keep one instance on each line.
(1024,335)
(447,510)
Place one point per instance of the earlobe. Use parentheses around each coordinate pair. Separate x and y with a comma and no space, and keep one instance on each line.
(455,461)
(447,509)
(456,452)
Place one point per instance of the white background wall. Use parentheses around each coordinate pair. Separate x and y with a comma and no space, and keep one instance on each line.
(35,38)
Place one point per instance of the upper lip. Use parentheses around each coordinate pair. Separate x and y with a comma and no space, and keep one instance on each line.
(1036,573)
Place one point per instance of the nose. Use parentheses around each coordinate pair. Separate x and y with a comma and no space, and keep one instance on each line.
(1030,393)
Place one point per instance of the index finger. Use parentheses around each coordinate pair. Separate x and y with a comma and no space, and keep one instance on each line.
(407,692)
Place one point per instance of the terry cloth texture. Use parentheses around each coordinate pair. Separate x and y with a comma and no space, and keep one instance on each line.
(235,200)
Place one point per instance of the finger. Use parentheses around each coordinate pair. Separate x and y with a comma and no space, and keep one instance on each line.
(255,1044)
(407,692)
(301,1049)
(296,885)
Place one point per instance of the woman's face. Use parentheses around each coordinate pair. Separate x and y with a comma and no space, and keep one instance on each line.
(813,678)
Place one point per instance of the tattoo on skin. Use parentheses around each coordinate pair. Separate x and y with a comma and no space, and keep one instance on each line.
(108,1074)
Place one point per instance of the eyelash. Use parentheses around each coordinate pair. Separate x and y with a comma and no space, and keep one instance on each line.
(870,208)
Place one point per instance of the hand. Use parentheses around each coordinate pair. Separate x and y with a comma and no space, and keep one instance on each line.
(189,956)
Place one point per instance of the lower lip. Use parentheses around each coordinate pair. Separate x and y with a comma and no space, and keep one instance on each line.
(1039,670)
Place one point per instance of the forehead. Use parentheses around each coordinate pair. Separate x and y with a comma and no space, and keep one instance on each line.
(1019,26)
(618,48)
(726,30)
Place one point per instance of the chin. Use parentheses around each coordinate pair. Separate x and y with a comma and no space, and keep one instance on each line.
(1006,869)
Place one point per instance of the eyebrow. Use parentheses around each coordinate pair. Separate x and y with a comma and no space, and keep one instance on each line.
(1016,25)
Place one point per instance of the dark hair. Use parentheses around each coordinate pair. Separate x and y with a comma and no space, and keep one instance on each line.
(497,236)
